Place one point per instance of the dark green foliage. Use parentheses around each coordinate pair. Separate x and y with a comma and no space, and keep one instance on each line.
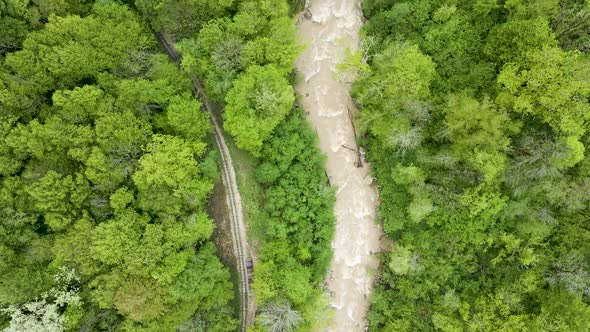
(482,164)
(101,147)
(183,18)
(572,25)
(299,224)
(297,197)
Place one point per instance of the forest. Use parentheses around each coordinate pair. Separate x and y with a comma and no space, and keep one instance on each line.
(106,166)
(245,55)
(475,115)
(104,178)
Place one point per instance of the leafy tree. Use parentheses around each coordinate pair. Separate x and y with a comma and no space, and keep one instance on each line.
(394,111)
(99,158)
(81,105)
(56,197)
(481,178)
(477,132)
(258,101)
(168,177)
(45,314)
(400,260)
(139,300)
(509,42)
(186,118)
(551,85)
(65,63)
(182,17)
(280,317)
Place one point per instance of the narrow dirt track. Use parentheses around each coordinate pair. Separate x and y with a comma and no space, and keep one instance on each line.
(328,29)
(233,198)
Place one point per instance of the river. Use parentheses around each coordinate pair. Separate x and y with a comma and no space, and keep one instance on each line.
(329,28)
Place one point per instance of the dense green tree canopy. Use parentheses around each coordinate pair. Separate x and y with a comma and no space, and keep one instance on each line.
(258,101)
(298,224)
(484,171)
(101,146)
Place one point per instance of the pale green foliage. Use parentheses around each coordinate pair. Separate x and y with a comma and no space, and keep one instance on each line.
(122,134)
(73,248)
(168,176)
(443,13)
(484,7)
(413,72)
(186,118)
(104,174)
(44,314)
(400,260)
(413,178)
(258,101)
(511,41)
(121,198)
(148,257)
(446,323)
(279,47)
(50,141)
(57,197)
(354,66)
(77,47)
(139,300)
(114,250)
(478,133)
(81,105)
(553,85)
(391,96)
(280,317)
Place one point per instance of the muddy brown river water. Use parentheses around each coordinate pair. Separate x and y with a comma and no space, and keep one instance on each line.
(328,30)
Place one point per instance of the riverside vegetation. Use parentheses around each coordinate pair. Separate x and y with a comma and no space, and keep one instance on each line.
(475,115)
(105,170)
(244,52)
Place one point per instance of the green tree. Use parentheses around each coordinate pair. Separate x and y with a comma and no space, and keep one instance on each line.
(478,133)
(391,96)
(258,101)
(490,162)
(99,142)
(280,317)
(187,119)
(81,105)
(551,84)
(168,177)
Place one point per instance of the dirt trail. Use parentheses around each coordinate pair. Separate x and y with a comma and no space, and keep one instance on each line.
(328,29)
